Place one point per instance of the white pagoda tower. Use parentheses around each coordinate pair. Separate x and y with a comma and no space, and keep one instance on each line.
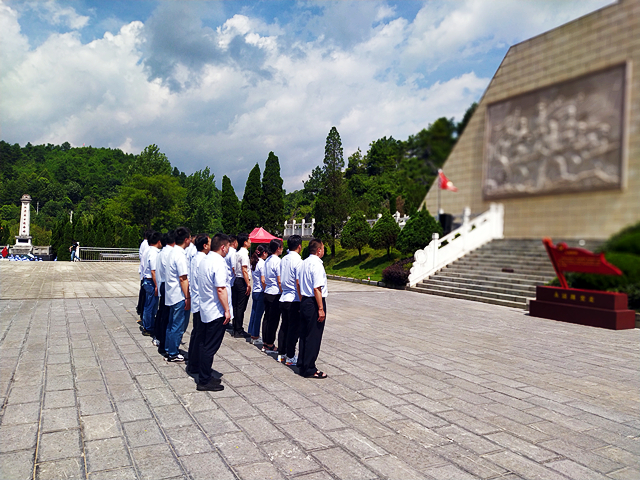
(23,239)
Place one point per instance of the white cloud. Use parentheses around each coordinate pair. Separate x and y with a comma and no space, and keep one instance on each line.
(55,14)
(225,97)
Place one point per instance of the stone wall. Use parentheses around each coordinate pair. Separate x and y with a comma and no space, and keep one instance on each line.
(600,40)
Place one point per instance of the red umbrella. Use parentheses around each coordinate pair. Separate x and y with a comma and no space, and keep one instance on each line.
(260,235)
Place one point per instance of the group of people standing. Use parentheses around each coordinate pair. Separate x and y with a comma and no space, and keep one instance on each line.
(212,279)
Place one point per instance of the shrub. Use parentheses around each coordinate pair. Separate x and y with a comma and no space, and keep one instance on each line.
(625,241)
(398,272)
(418,232)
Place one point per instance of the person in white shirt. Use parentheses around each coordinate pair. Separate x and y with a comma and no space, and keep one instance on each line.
(202,245)
(241,285)
(150,284)
(272,292)
(214,310)
(230,261)
(190,252)
(141,255)
(177,295)
(162,317)
(257,295)
(290,301)
(313,306)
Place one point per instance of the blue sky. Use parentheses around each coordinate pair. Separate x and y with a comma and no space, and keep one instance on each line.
(222,83)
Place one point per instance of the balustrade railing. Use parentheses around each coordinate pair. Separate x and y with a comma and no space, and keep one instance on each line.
(99,254)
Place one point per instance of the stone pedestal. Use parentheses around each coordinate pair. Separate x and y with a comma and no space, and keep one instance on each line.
(584,307)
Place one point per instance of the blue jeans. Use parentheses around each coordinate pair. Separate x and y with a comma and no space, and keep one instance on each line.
(257,309)
(150,305)
(177,315)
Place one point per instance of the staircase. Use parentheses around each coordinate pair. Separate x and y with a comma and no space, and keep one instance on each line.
(502,272)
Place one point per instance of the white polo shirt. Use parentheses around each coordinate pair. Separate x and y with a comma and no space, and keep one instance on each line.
(193,282)
(176,267)
(230,260)
(242,260)
(160,265)
(256,276)
(152,261)
(290,267)
(212,274)
(313,276)
(190,252)
(271,274)
(141,254)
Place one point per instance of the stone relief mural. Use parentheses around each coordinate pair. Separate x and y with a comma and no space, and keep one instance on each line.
(563,138)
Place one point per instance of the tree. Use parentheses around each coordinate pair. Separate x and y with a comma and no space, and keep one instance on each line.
(272,213)
(203,202)
(332,203)
(383,156)
(355,233)
(465,119)
(418,232)
(151,161)
(230,207)
(251,206)
(385,232)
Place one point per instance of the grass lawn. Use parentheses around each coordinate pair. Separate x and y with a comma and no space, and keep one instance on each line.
(347,263)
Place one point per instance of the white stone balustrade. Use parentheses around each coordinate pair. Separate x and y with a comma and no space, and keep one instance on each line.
(471,235)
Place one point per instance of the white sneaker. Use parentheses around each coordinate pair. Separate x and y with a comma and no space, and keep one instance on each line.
(291,361)
(175,359)
(156,342)
(257,341)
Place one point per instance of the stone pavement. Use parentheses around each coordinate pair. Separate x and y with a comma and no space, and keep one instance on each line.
(419,387)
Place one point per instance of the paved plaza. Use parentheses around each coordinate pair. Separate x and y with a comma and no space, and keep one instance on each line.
(419,387)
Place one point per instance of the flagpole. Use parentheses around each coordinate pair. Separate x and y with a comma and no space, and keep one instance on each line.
(439,188)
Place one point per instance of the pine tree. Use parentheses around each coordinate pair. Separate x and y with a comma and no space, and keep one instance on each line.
(272,211)
(230,207)
(332,203)
(384,233)
(418,232)
(250,209)
(356,233)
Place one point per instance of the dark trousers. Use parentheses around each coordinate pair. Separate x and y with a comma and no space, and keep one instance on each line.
(142,295)
(310,335)
(240,300)
(162,318)
(271,318)
(289,328)
(209,338)
(193,357)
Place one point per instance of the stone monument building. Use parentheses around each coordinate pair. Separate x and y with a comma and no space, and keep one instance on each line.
(23,239)
(556,135)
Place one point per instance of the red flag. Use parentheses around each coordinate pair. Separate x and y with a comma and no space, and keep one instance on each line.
(444,183)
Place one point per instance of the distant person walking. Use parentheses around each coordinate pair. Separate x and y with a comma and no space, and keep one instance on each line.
(73,250)
(214,310)
(257,295)
(290,268)
(241,285)
(313,289)
(178,299)
(272,292)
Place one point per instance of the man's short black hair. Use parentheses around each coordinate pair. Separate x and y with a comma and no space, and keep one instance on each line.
(218,240)
(154,238)
(314,246)
(242,238)
(232,238)
(182,233)
(274,245)
(147,234)
(201,240)
(293,242)
(170,237)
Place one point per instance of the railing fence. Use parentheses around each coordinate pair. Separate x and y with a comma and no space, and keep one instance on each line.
(99,254)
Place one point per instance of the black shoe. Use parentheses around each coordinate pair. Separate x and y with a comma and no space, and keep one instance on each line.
(238,334)
(210,387)
(146,333)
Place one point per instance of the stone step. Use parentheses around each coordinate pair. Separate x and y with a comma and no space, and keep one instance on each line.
(510,278)
(468,296)
(481,261)
(468,291)
(497,287)
(499,269)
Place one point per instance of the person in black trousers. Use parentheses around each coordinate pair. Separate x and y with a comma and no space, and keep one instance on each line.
(241,285)
(290,268)
(272,293)
(313,289)
(162,317)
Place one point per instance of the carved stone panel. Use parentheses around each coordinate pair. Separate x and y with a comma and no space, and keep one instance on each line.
(563,138)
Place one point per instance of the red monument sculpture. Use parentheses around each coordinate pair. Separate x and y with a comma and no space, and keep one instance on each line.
(584,307)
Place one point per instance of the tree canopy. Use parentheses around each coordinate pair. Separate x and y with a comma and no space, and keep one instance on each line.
(230,207)
(272,212)
(251,207)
